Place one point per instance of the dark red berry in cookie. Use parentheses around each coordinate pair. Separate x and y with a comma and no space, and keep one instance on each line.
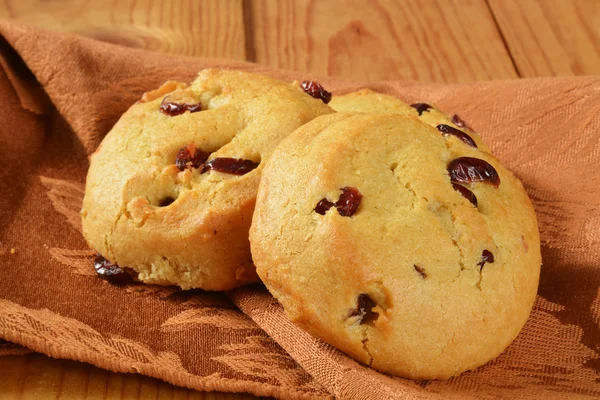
(364,309)
(448,130)
(467,194)
(421,271)
(469,169)
(524,243)
(364,304)
(348,202)
(421,107)
(190,157)
(316,90)
(167,201)
(110,272)
(235,166)
(486,257)
(173,108)
(323,206)
(458,122)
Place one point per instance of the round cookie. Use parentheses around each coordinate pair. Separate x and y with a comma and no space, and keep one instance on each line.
(364,238)
(171,190)
(368,101)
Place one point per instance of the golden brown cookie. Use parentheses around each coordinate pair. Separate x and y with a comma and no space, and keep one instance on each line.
(368,101)
(171,190)
(411,251)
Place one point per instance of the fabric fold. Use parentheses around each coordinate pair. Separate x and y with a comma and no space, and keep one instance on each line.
(62,94)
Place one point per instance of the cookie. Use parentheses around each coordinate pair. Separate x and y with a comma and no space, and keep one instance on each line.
(171,190)
(411,251)
(368,101)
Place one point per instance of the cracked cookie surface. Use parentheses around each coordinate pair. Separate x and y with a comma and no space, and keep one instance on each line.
(420,280)
(171,190)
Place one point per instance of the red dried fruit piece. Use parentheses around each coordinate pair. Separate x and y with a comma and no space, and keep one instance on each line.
(467,194)
(486,257)
(173,108)
(421,271)
(421,107)
(348,202)
(458,122)
(448,130)
(190,157)
(235,166)
(346,205)
(323,206)
(111,272)
(364,309)
(469,169)
(316,90)
(525,245)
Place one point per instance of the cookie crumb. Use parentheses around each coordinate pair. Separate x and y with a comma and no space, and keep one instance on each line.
(13,250)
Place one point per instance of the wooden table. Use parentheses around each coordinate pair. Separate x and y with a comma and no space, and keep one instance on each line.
(428,40)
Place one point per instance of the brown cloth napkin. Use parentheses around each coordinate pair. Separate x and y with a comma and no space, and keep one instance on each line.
(61,94)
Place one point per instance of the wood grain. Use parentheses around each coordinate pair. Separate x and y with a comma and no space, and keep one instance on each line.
(551,37)
(208,28)
(429,40)
(35,376)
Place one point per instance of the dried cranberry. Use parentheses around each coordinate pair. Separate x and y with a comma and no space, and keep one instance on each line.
(486,257)
(364,304)
(348,202)
(525,245)
(323,206)
(111,272)
(467,194)
(167,201)
(364,309)
(458,122)
(448,130)
(235,166)
(421,107)
(316,90)
(190,157)
(172,108)
(346,205)
(469,169)
(421,271)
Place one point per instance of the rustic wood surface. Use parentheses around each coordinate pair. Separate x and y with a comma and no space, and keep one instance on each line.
(37,377)
(431,40)
(551,37)
(428,40)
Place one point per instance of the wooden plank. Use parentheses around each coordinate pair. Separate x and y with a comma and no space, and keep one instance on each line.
(551,37)
(210,28)
(35,376)
(13,370)
(429,40)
